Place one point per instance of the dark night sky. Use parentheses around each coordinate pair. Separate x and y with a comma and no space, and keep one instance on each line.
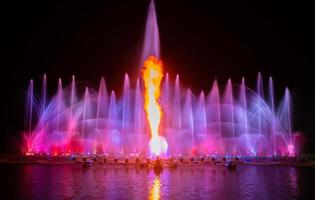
(200,40)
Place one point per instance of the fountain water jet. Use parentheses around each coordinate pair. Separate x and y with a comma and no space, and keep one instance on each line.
(151,38)
(236,121)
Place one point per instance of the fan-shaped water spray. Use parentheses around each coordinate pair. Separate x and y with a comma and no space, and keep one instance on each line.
(236,121)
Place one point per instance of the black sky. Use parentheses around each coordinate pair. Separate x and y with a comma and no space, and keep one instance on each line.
(200,40)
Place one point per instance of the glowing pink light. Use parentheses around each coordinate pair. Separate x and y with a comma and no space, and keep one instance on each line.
(291,149)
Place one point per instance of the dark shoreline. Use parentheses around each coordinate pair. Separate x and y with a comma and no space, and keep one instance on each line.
(301,161)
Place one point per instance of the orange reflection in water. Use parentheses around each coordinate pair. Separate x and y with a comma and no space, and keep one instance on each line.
(155,189)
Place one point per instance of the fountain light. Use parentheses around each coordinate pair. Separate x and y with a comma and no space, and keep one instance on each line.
(291,149)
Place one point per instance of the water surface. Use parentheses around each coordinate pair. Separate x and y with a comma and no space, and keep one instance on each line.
(71,181)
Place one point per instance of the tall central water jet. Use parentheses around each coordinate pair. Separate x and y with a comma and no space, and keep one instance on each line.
(152,75)
(151,45)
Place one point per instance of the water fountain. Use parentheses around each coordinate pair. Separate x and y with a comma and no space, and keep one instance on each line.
(234,121)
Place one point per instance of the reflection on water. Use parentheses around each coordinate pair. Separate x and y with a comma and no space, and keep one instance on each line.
(155,189)
(293,180)
(186,182)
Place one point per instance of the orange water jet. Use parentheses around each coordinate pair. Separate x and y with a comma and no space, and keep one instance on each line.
(152,75)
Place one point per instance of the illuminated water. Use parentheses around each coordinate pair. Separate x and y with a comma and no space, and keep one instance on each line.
(229,120)
(118,182)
